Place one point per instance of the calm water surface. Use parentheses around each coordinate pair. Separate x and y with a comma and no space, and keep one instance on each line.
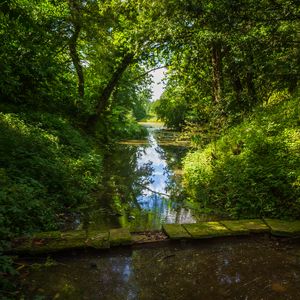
(248,268)
(142,188)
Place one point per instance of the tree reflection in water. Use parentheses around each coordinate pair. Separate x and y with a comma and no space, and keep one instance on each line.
(141,190)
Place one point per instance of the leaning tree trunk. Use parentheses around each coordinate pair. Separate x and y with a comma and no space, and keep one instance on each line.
(107,91)
(216,72)
(76,60)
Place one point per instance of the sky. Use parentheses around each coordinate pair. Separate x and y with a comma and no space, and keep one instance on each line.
(157,86)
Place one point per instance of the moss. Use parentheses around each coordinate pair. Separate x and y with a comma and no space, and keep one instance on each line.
(98,240)
(74,235)
(284,228)
(246,226)
(52,241)
(255,225)
(67,240)
(120,236)
(47,235)
(176,231)
(236,227)
(207,230)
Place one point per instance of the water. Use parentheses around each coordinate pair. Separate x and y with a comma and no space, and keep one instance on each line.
(142,190)
(142,186)
(235,268)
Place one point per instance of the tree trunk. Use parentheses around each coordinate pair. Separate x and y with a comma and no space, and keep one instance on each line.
(76,22)
(237,86)
(294,78)
(76,60)
(250,82)
(217,72)
(107,91)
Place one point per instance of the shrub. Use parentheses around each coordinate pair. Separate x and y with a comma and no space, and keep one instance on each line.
(254,169)
(46,166)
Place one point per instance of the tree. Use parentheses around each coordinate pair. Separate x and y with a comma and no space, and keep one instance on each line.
(229,56)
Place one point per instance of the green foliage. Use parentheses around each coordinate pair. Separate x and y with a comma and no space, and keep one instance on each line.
(68,58)
(172,109)
(253,169)
(226,57)
(46,166)
(32,73)
(119,124)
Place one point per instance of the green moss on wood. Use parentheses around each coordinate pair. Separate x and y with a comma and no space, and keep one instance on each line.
(246,226)
(284,228)
(176,231)
(256,225)
(74,235)
(207,230)
(67,240)
(236,227)
(52,241)
(120,236)
(47,235)
(98,240)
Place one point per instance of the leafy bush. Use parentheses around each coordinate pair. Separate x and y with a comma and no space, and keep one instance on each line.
(119,124)
(254,169)
(45,167)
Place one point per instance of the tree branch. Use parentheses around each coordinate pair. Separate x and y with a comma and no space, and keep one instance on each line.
(144,74)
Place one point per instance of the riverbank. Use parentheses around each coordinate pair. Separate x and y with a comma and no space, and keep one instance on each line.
(55,241)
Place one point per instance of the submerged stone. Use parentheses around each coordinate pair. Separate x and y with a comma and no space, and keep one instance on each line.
(98,240)
(176,231)
(246,226)
(120,236)
(284,228)
(207,230)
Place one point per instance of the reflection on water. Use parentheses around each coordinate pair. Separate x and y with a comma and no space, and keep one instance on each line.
(236,269)
(141,187)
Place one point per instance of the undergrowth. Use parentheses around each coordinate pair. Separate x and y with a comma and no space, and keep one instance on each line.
(253,170)
(47,167)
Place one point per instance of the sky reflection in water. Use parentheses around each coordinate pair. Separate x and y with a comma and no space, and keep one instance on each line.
(136,191)
(155,197)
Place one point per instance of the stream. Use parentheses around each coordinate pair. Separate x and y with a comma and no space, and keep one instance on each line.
(142,190)
(239,268)
(142,185)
